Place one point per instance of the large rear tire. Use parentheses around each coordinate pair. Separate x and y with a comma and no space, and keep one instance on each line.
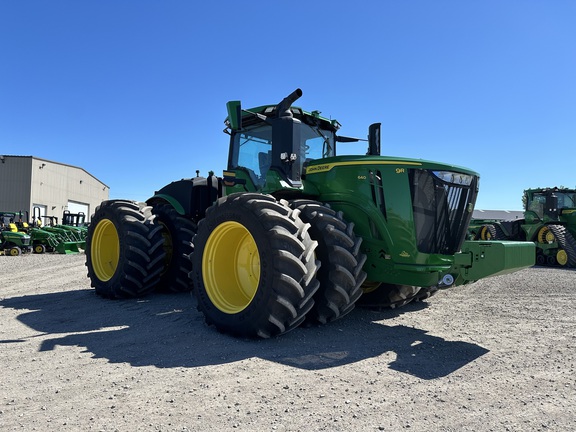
(387,295)
(177,232)
(253,266)
(425,293)
(124,253)
(340,273)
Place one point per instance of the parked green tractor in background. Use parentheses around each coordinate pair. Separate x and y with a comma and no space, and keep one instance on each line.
(41,240)
(45,238)
(294,232)
(549,221)
(12,242)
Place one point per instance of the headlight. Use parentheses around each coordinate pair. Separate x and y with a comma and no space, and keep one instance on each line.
(454,177)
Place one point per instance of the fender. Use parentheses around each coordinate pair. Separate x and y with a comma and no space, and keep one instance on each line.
(190,197)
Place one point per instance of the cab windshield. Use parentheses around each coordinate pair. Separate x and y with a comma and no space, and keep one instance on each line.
(565,200)
(252,148)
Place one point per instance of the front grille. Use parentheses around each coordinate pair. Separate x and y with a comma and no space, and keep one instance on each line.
(442,211)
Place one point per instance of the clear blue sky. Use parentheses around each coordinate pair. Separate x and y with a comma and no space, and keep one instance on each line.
(134,91)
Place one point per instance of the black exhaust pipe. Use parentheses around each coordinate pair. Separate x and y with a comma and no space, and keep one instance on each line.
(283,108)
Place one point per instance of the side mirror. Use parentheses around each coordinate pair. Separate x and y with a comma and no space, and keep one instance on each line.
(234,114)
(374,139)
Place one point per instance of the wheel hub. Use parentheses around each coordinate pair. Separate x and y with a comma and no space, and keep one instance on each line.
(485,234)
(105,250)
(562,257)
(545,235)
(231,267)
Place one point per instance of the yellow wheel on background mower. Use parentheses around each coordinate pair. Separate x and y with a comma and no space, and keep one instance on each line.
(105,250)
(562,257)
(545,236)
(231,267)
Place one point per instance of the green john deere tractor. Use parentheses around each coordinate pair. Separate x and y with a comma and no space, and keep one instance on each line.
(12,242)
(294,232)
(549,221)
(71,238)
(41,241)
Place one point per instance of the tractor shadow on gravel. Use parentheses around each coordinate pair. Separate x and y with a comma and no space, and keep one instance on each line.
(166,331)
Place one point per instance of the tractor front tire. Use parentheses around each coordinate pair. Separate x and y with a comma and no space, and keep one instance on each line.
(177,231)
(340,273)
(14,251)
(39,248)
(425,293)
(124,252)
(253,266)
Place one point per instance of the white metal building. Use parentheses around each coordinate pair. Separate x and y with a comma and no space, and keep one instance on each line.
(27,182)
(498,214)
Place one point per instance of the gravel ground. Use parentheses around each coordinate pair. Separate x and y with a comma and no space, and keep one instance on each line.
(497,355)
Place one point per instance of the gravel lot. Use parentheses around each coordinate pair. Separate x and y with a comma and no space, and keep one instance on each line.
(497,355)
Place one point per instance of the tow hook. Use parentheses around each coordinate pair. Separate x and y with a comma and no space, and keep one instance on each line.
(446,281)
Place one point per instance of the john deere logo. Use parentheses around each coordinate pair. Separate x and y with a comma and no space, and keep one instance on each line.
(318,168)
(404,254)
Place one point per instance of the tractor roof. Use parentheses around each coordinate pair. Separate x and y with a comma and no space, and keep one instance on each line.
(297,112)
(550,189)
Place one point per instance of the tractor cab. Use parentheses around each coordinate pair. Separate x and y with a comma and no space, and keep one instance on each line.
(271,145)
(549,204)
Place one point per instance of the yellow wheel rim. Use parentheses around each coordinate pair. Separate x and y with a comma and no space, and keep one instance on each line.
(231,267)
(485,234)
(14,252)
(105,250)
(38,248)
(545,235)
(562,257)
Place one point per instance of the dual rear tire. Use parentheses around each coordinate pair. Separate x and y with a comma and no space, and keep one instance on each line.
(177,232)
(340,274)
(254,266)
(133,249)
(124,253)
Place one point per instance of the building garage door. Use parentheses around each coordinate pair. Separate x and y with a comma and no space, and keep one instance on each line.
(77,207)
(38,212)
